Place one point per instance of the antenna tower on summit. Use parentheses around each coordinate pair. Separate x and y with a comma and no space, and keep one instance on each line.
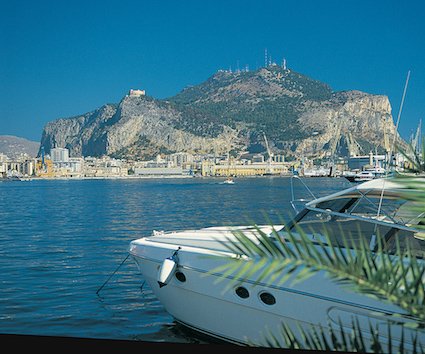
(265,58)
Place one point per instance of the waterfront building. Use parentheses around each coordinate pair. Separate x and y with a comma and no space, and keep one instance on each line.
(180,158)
(28,167)
(255,169)
(158,171)
(250,169)
(20,166)
(104,167)
(65,166)
(3,169)
(59,155)
(361,162)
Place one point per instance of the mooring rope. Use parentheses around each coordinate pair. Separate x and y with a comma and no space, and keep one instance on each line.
(116,270)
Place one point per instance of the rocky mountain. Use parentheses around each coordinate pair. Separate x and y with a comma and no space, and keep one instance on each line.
(112,128)
(232,112)
(13,146)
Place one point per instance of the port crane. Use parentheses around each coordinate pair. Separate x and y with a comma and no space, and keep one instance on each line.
(269,168)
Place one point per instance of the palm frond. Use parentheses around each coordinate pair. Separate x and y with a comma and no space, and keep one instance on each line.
(294,256)
(343,338)
(415,158)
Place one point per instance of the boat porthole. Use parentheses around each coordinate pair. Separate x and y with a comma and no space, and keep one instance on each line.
(267,298)
(180,277)
(242,292)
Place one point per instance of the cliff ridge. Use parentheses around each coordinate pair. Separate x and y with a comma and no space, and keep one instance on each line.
(231,111)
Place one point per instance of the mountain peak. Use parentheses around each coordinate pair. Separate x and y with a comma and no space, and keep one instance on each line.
(255,86)
(232,111)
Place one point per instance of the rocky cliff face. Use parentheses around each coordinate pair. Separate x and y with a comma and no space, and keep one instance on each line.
(231,111)
(113,127)
(139,116)
(78,134)
(352,118)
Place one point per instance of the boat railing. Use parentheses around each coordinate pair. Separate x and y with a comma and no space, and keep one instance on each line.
(298,204)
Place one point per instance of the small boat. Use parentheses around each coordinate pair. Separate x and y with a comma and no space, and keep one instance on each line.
(228,181)
(364,176)
(177,266)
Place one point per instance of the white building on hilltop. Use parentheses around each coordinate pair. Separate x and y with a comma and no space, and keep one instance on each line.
(137,92)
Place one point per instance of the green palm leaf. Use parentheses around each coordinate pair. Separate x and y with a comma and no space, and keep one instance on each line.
(392,278)
(294,256)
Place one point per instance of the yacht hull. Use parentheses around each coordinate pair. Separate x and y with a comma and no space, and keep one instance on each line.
(200,300)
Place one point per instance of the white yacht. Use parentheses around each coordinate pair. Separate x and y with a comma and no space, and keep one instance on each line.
(317,172)
(177,267)
(367,175)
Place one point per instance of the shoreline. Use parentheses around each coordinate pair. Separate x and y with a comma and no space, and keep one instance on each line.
(28,179)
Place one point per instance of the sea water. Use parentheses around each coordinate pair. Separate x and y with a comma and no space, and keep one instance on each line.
(60,240)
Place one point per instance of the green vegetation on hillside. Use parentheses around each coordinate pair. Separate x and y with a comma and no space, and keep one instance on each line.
(268,99)
(197,121)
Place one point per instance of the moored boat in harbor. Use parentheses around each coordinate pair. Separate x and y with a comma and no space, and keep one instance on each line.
(191,294)
(367,175)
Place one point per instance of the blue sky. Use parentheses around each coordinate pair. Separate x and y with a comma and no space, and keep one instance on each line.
(64,58)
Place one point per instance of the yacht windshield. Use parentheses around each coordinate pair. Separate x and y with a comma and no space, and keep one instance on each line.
(367,207)
(352,218)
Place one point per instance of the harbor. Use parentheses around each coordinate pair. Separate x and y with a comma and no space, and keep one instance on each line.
(59,165)
(62,239)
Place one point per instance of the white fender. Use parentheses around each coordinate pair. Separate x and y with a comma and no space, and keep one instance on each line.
(167,270)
